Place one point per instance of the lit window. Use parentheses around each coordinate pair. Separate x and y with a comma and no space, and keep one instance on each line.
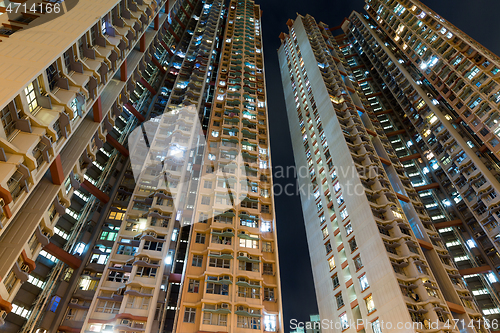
(480,292)
(79,249)
(473,73)
(31,97)
(48,256)
(175,232)
(54,303)
(36,282)
(331,263)
(348,228)
(376,327)
(370,305)
(344,321)
(270,323)
(95,327)
(265,226)
(397,214)
(491,311)
(344,214)
(169,258)
(61,233)
(470,243)
(491,277)
(363,281)
(20,311)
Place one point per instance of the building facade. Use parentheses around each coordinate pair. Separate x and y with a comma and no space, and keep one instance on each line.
(102,150)
(64,128)
(232,272)
(399,210)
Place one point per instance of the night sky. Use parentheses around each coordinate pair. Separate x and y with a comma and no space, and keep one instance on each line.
(478,18)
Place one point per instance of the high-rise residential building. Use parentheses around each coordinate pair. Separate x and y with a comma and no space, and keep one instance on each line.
(89,77)
(393,114)
(103,152)
(232,272)
(143,273)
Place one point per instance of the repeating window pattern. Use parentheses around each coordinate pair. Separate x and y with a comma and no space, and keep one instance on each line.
(310,144)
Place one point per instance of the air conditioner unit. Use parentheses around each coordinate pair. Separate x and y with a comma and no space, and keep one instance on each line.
(224,306)
(226,277)
(86,272)
(151,233)
(241,308)
(242,254)
(146,259)
(25,268)
(74,301)
(3,314)
(126,322)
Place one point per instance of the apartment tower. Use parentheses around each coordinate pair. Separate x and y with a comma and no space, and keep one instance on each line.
(101,152)
(232,274)
(402,184)
(64,128)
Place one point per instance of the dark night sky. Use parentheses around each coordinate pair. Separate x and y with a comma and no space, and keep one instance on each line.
(478,18)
